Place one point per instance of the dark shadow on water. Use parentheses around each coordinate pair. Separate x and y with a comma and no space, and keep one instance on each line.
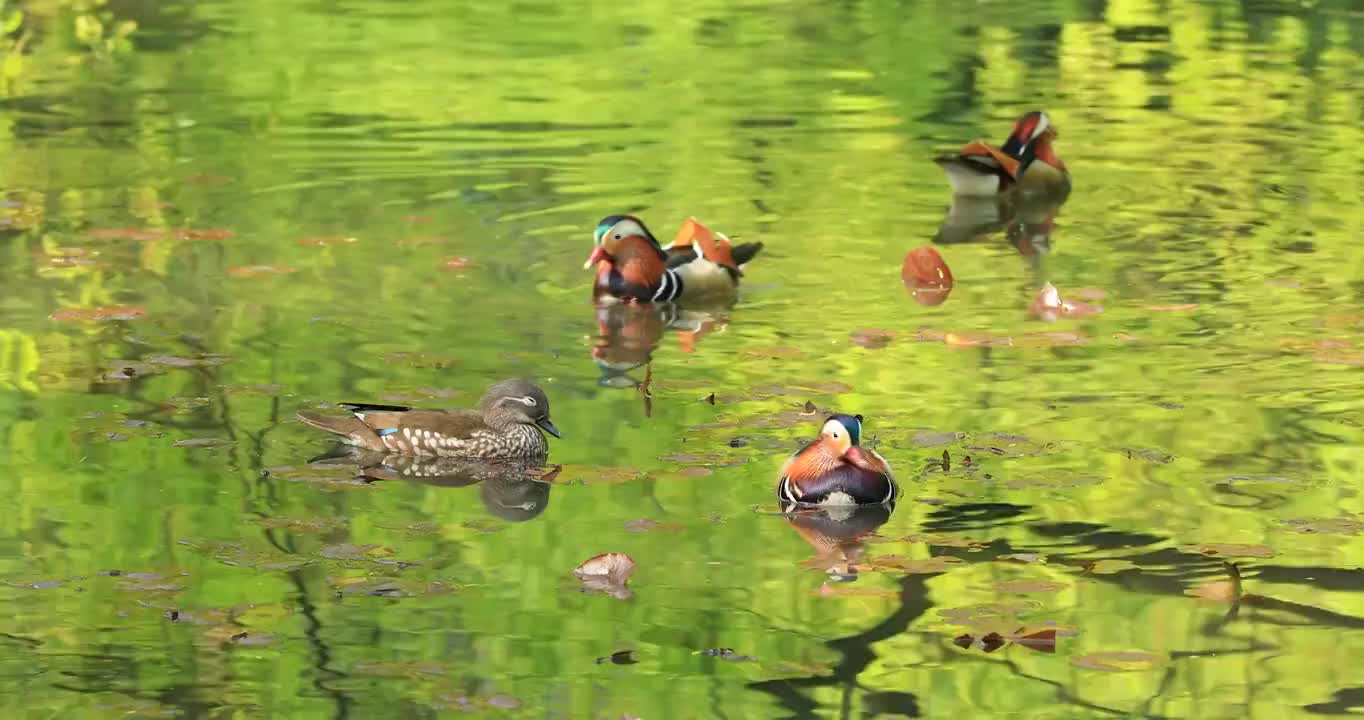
(1162,571)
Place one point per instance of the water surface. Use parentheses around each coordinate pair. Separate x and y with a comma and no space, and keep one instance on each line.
(257,208)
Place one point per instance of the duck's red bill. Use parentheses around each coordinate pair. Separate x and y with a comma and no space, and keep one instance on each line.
(598,255)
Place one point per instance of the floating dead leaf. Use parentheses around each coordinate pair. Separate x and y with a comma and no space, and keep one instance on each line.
(458,263)
(710,399)
(987,612)
(775,353)
(1117,661)
(1112,566)
(1025,557)
(186,362)
(955,541)
(123,370)
(618,566)
(596,475)
(992,642)
(1222,591)
(926,276)
(399,668)
(1039,640)
(347,551)
(809,408)
(609,573)
(926,566)
(1232,550)
(935,439)
(967,339)
(326,241)
(251,271)
(1147,454)
(151,234)
(1029,586)
(205,442)
(100,314)
(1331,526)
(871,339)
(726,654)
(652,525)
(619,657)
(1171,308)
(849,591)
(1049,306)
(1339,358)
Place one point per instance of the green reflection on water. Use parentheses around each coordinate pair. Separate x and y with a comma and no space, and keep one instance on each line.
(261,205)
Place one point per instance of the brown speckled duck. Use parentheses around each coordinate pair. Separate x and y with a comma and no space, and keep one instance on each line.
(507,424)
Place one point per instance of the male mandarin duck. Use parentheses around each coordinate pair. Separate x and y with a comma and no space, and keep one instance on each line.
(1026,161)
(834,469)
(635,267)
(507,424)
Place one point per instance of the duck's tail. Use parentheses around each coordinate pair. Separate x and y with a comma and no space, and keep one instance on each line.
(348,427)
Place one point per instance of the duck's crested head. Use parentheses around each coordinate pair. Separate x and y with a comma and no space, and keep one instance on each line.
(621,226)
(1031,128)
(841,436)
(517,402)
(841,432)
(615,232)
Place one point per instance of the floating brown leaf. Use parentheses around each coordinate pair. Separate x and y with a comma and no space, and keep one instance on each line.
(1112,566)
(608,573)
(871,339)
(1049,306)
(1040,640)
(326,241)
(99,314)
(1234,550)
(939,564)
(926,276)
(831,591)
(647,525)
(201,442)
(458,263)
(1029,586)
(1117,661)
(250,271)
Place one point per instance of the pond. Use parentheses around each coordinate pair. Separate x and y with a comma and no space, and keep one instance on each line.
(237,210)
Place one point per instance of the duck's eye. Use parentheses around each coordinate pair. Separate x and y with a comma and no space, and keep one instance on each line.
(529,401)
(617,236)
(835,436)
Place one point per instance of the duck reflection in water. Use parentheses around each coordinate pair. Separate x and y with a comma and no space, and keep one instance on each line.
(513,490)
(838,533)
(628,335)
(1026,220)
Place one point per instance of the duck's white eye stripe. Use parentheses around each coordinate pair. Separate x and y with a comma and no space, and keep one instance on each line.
(528,400)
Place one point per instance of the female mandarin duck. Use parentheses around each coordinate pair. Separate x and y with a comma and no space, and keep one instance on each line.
(507,424)
(635,267)
(1026,161)
(834,469)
